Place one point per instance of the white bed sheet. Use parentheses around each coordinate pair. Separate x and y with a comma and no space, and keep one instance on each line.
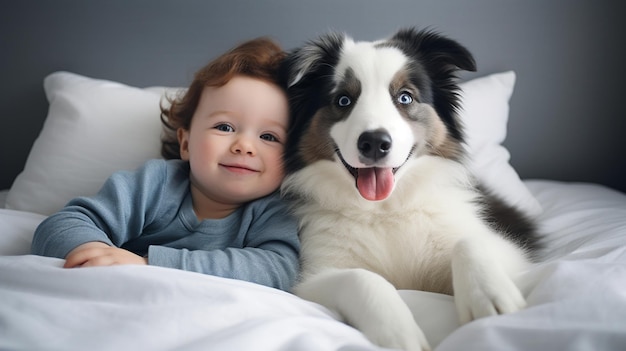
(576,297)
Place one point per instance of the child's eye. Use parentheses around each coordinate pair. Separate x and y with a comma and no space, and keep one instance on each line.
(224,128)
(269,137)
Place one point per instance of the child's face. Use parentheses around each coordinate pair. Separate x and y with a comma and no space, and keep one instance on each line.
(236,141)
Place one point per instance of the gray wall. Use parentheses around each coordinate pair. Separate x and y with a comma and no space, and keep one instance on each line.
(566,118)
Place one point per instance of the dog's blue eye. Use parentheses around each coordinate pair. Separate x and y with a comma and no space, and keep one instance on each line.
(344,101)
(405,98)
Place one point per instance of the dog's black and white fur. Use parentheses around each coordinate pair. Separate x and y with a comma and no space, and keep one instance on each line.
(375,163)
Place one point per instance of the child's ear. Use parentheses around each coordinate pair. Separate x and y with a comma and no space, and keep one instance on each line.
(183,141)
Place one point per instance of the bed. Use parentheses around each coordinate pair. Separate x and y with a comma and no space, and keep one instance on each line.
(576,294)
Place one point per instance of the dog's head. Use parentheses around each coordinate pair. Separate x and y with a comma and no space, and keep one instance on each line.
(371,107)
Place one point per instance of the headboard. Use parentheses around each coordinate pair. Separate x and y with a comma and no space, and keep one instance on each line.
(565,123)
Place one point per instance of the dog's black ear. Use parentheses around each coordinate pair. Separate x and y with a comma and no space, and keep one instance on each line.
(435,50)
(441,58)
(317,54)
(305,74)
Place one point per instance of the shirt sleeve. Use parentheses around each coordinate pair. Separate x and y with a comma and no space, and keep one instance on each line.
(269,256)
(115,215)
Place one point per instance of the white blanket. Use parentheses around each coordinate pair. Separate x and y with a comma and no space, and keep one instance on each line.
(576,297)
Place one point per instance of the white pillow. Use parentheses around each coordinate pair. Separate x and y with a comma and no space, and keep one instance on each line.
(485,113)
(96,127)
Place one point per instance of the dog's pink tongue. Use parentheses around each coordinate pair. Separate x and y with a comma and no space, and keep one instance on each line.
(375,183)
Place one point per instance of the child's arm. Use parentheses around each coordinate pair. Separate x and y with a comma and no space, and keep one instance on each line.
(117,214)
(268,254)
(100,254)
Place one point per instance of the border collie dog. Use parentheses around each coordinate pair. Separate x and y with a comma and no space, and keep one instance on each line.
(375,163)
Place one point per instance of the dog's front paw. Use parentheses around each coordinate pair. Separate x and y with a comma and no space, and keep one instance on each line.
(477,298)
(369,303)
(483,288)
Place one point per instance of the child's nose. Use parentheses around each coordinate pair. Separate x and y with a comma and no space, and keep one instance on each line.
(244,145)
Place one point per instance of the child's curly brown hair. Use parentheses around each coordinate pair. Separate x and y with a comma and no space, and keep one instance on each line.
(259,58)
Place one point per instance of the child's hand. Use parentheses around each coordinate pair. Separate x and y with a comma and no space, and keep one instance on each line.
(100,254)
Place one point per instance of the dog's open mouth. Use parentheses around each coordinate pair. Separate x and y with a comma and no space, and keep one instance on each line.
(373,183)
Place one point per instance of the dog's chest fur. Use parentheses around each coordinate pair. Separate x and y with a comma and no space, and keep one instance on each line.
(408,238)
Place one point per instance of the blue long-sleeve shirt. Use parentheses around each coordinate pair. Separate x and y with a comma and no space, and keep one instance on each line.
(150,211)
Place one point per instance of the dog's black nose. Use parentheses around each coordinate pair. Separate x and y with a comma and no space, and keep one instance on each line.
(374,144)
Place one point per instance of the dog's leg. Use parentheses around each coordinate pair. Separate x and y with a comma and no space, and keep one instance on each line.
(483,272)
(369,303)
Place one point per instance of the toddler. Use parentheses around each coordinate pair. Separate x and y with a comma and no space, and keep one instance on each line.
(213,206)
